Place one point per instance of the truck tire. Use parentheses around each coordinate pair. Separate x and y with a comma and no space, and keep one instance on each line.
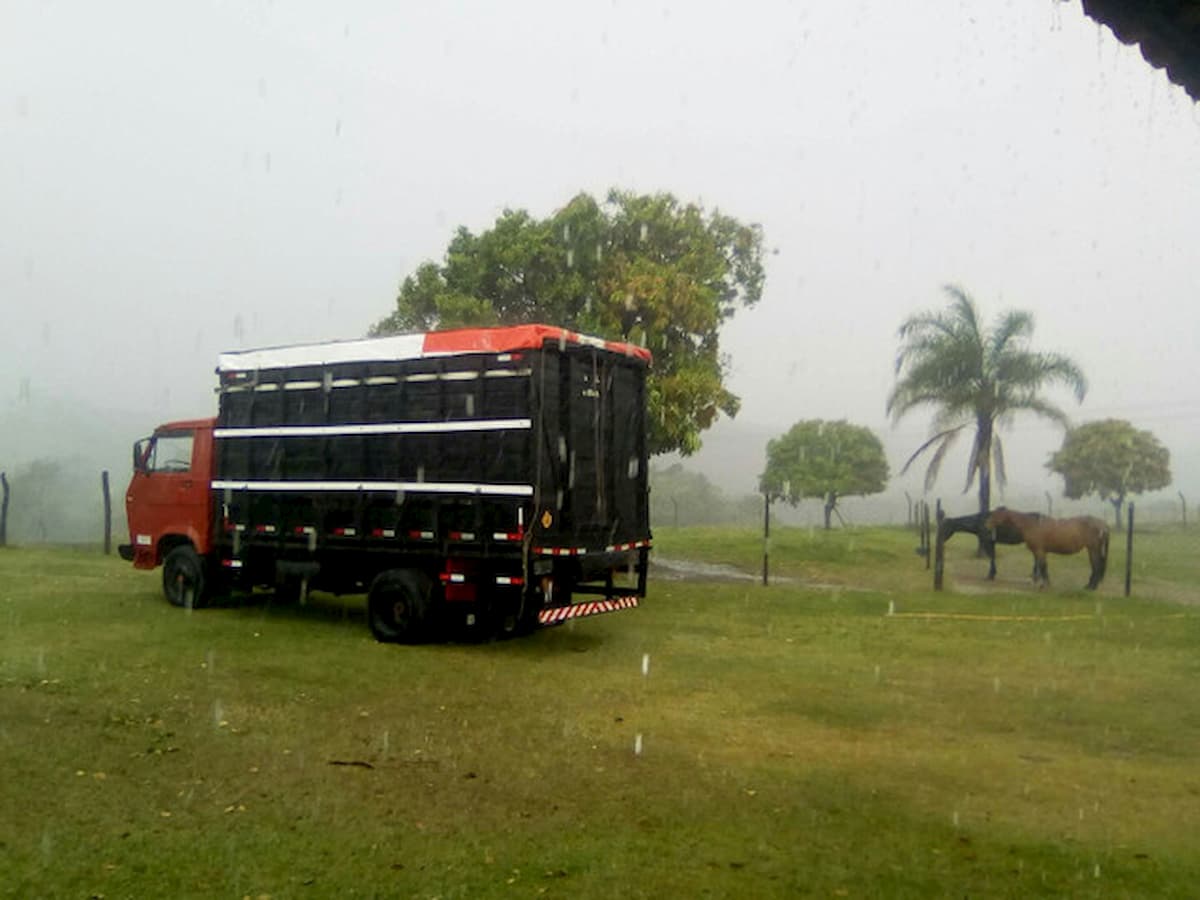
(183,578)
(400,606)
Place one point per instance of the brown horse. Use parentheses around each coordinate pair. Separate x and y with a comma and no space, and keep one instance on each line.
(1044,535)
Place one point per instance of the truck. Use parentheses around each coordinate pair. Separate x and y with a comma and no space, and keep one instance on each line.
(489,478)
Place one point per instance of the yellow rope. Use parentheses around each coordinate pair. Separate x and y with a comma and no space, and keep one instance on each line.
(982,618)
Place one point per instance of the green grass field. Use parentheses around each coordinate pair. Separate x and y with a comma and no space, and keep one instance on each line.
(794,740)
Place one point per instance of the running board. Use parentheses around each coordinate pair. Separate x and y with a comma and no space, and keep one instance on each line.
(556,614)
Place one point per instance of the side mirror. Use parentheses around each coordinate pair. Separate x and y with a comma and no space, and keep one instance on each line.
(141,453)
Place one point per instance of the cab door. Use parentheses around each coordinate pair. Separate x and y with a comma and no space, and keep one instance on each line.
(169,494)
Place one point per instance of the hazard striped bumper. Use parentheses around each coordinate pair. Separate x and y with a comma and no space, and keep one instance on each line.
(590,608)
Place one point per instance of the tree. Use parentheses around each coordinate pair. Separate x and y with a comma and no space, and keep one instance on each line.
(825,460)
(639,268)
(1113,459)
(973,376)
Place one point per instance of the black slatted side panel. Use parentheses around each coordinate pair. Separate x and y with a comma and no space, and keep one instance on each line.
(439,392)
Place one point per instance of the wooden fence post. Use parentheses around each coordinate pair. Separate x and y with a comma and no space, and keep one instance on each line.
(1183,500)
(766,532)
(107,512)
(939,546)
(1129,552)
(4,510)
(925,544)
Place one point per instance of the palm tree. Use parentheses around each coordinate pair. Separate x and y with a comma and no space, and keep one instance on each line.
(973,376)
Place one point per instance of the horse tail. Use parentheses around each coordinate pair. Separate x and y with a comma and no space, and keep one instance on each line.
(1103,555)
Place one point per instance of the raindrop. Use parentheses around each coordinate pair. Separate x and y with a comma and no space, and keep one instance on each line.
(996,685)
(209,661)
(637,745)
(570,259)
(645,664)
(645,231)
(566,232)
(218,713)
(891,607)
(956,818)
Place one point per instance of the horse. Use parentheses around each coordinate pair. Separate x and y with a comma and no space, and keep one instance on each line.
(988,538)
(1044,535)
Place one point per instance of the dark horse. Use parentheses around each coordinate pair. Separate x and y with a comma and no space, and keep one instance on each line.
(1044,535)
(988,540)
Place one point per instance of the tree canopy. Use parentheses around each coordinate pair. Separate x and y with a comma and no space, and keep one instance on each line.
(640,268)
(824,460)
(1112,459)
(973,376)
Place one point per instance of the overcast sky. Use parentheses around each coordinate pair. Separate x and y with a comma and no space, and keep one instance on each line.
(181,179)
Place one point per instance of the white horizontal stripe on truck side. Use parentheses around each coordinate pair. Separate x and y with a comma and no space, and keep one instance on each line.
(416,487)
(375,428)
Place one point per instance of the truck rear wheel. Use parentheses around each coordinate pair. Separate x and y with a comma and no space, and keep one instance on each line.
(183,578)
(400,606)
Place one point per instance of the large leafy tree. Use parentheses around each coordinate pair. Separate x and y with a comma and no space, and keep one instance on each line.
(975,378)
(642,268)
(1112,459)
(824,460)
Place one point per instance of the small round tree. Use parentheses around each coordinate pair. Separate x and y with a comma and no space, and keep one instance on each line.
(824,460)
(1112,459)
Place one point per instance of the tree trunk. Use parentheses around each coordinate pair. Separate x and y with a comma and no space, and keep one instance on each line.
(1117,503)
(985,477)
(830,503)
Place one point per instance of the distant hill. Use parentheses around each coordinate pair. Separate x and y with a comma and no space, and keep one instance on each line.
(53,452)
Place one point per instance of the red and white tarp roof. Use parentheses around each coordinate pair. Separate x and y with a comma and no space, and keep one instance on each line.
(419,346)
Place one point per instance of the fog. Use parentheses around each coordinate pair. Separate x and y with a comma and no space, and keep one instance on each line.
(182,180)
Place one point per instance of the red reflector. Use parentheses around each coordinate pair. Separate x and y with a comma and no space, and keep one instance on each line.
(461,593)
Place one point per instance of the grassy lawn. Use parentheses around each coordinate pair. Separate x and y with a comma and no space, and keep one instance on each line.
(985,741)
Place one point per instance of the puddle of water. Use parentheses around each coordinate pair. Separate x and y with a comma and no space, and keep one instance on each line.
(667,569)
(691,570)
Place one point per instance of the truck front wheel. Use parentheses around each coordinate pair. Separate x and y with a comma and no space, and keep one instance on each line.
(183,578)
(400,606)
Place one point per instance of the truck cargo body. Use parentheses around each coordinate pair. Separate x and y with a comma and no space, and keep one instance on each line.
(485,476)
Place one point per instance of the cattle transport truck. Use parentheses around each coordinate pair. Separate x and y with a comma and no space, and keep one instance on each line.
(492,478)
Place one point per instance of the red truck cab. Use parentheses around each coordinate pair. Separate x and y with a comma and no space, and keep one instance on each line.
(169,501)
